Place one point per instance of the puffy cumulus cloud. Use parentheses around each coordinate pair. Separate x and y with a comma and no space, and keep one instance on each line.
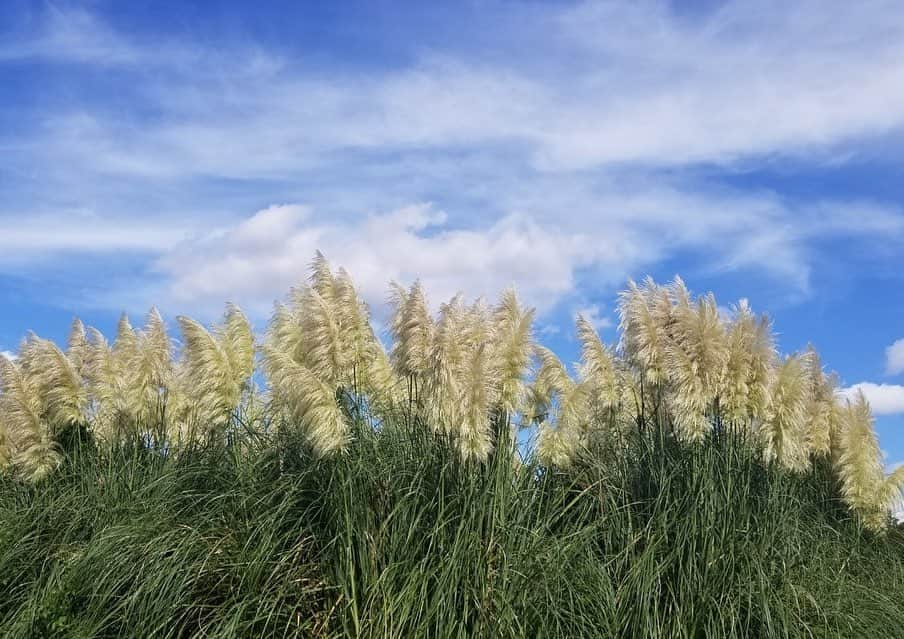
(885,399)
(593,313)
(894,358)
(258,259)
(552,258)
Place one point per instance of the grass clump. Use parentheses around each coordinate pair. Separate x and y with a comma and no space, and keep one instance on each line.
(685,482)
(400,537)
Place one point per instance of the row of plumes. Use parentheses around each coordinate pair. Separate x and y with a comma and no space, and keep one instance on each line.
(467,371)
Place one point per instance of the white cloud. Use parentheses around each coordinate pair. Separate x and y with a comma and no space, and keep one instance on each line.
(618,83)
(71,36)
(553,163)
(593,313)
(8,355)
(258,259)
(199,261)
(885,399)
(36,236)
(894,358)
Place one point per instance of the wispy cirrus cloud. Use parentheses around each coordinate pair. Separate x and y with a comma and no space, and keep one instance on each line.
(596,156)
(41,235)
(682,92)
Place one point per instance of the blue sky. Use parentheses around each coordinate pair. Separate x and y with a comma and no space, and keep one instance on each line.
(186,153)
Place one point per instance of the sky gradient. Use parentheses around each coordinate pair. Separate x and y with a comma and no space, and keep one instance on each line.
(187,153)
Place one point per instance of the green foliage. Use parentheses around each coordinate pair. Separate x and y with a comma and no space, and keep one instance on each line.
(687,483)
(401,537)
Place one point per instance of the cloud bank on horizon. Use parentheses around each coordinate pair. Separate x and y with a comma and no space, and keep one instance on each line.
(564,147)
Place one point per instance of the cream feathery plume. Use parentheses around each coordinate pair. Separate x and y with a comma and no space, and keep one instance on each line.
(157,349)
(446,366)
(215,367)
(354,321)
(563,436)
(31,448)
(557,447)
(784,430)
(77,347)
(149,370)
(284,332)
(551,379)
(130,380)
(127,352)
(821,409)
(312,403)
(6,450)
(205,375)
(58,383)
(102,379)
(864,486)
(397,299)
(460,386)
(126,342)
(629,395)
(381,383)
(597,367)
(513,347)
(364,362)
(237,340)
(645,318)
(20,406)
(325,328)
(762,368)
(679,296)
(699,331)
(474,433)
(129,388)
(478,329)
(283,335)
(561,407)
(750,366)
(412,329)
(108,374)
(322,344)
(321,278)
(890,494)
(696,358)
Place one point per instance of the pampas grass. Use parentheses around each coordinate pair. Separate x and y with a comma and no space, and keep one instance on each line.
(30,447)
(512,344)
(215,368)
(784,430)
(696,357)
(749,368)
(676,483)
(412,332)
(864,485)
(465,373)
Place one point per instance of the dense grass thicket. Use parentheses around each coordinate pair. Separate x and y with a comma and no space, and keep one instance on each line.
(398,537)
(686,482)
